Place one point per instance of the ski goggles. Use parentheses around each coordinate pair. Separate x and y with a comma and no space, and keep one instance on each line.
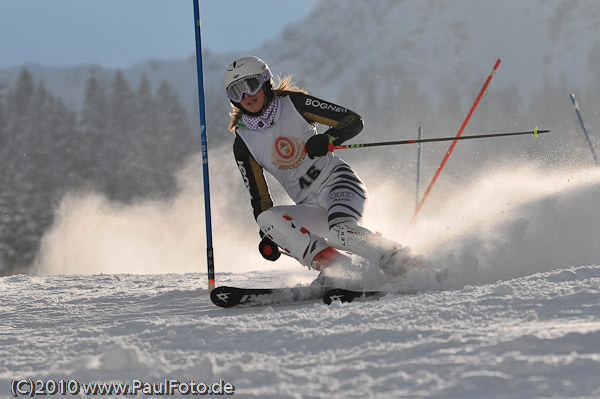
(248,85)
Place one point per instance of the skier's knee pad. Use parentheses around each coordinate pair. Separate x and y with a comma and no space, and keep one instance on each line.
(294,239)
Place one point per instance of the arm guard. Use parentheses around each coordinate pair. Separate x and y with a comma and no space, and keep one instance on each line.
(253,176)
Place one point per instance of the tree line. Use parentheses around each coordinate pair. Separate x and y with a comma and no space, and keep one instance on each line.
(125,142)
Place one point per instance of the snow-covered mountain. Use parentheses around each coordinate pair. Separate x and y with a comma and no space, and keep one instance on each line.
(438,44)
(393,45)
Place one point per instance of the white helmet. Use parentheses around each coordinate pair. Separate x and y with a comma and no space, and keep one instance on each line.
(240,72)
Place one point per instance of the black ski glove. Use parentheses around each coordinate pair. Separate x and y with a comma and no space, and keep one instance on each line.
(268,249)
(319,145)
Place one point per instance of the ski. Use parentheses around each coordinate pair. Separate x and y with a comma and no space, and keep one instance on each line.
(227,297)
(345,295)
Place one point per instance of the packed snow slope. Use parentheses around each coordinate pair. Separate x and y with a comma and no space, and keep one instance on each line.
(531,337)
(516,314)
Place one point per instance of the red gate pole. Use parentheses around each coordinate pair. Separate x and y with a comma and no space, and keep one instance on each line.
(460,132)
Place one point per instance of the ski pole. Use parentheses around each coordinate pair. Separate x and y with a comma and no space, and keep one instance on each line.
(535,132)
(587,137)
(460,131)
(419,156)
(204,144)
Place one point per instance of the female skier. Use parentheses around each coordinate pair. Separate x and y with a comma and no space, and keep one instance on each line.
(275,131)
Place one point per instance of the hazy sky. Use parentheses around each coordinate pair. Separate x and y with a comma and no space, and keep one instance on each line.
(118,33)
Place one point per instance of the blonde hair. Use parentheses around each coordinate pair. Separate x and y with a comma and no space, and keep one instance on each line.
(284,87)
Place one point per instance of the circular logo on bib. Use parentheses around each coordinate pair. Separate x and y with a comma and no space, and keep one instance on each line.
(285,148)
(287,152)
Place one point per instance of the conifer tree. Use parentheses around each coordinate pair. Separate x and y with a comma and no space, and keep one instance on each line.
(175,141)
(141,159)
(122,120)
(93,158)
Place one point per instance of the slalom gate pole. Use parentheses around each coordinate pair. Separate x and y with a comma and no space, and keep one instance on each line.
(462,128)
(587,137)
(209,246)
(419,137)
(535,132)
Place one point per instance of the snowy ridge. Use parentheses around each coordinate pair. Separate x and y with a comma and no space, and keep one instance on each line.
(530,337)
(435,43)
(393,44)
